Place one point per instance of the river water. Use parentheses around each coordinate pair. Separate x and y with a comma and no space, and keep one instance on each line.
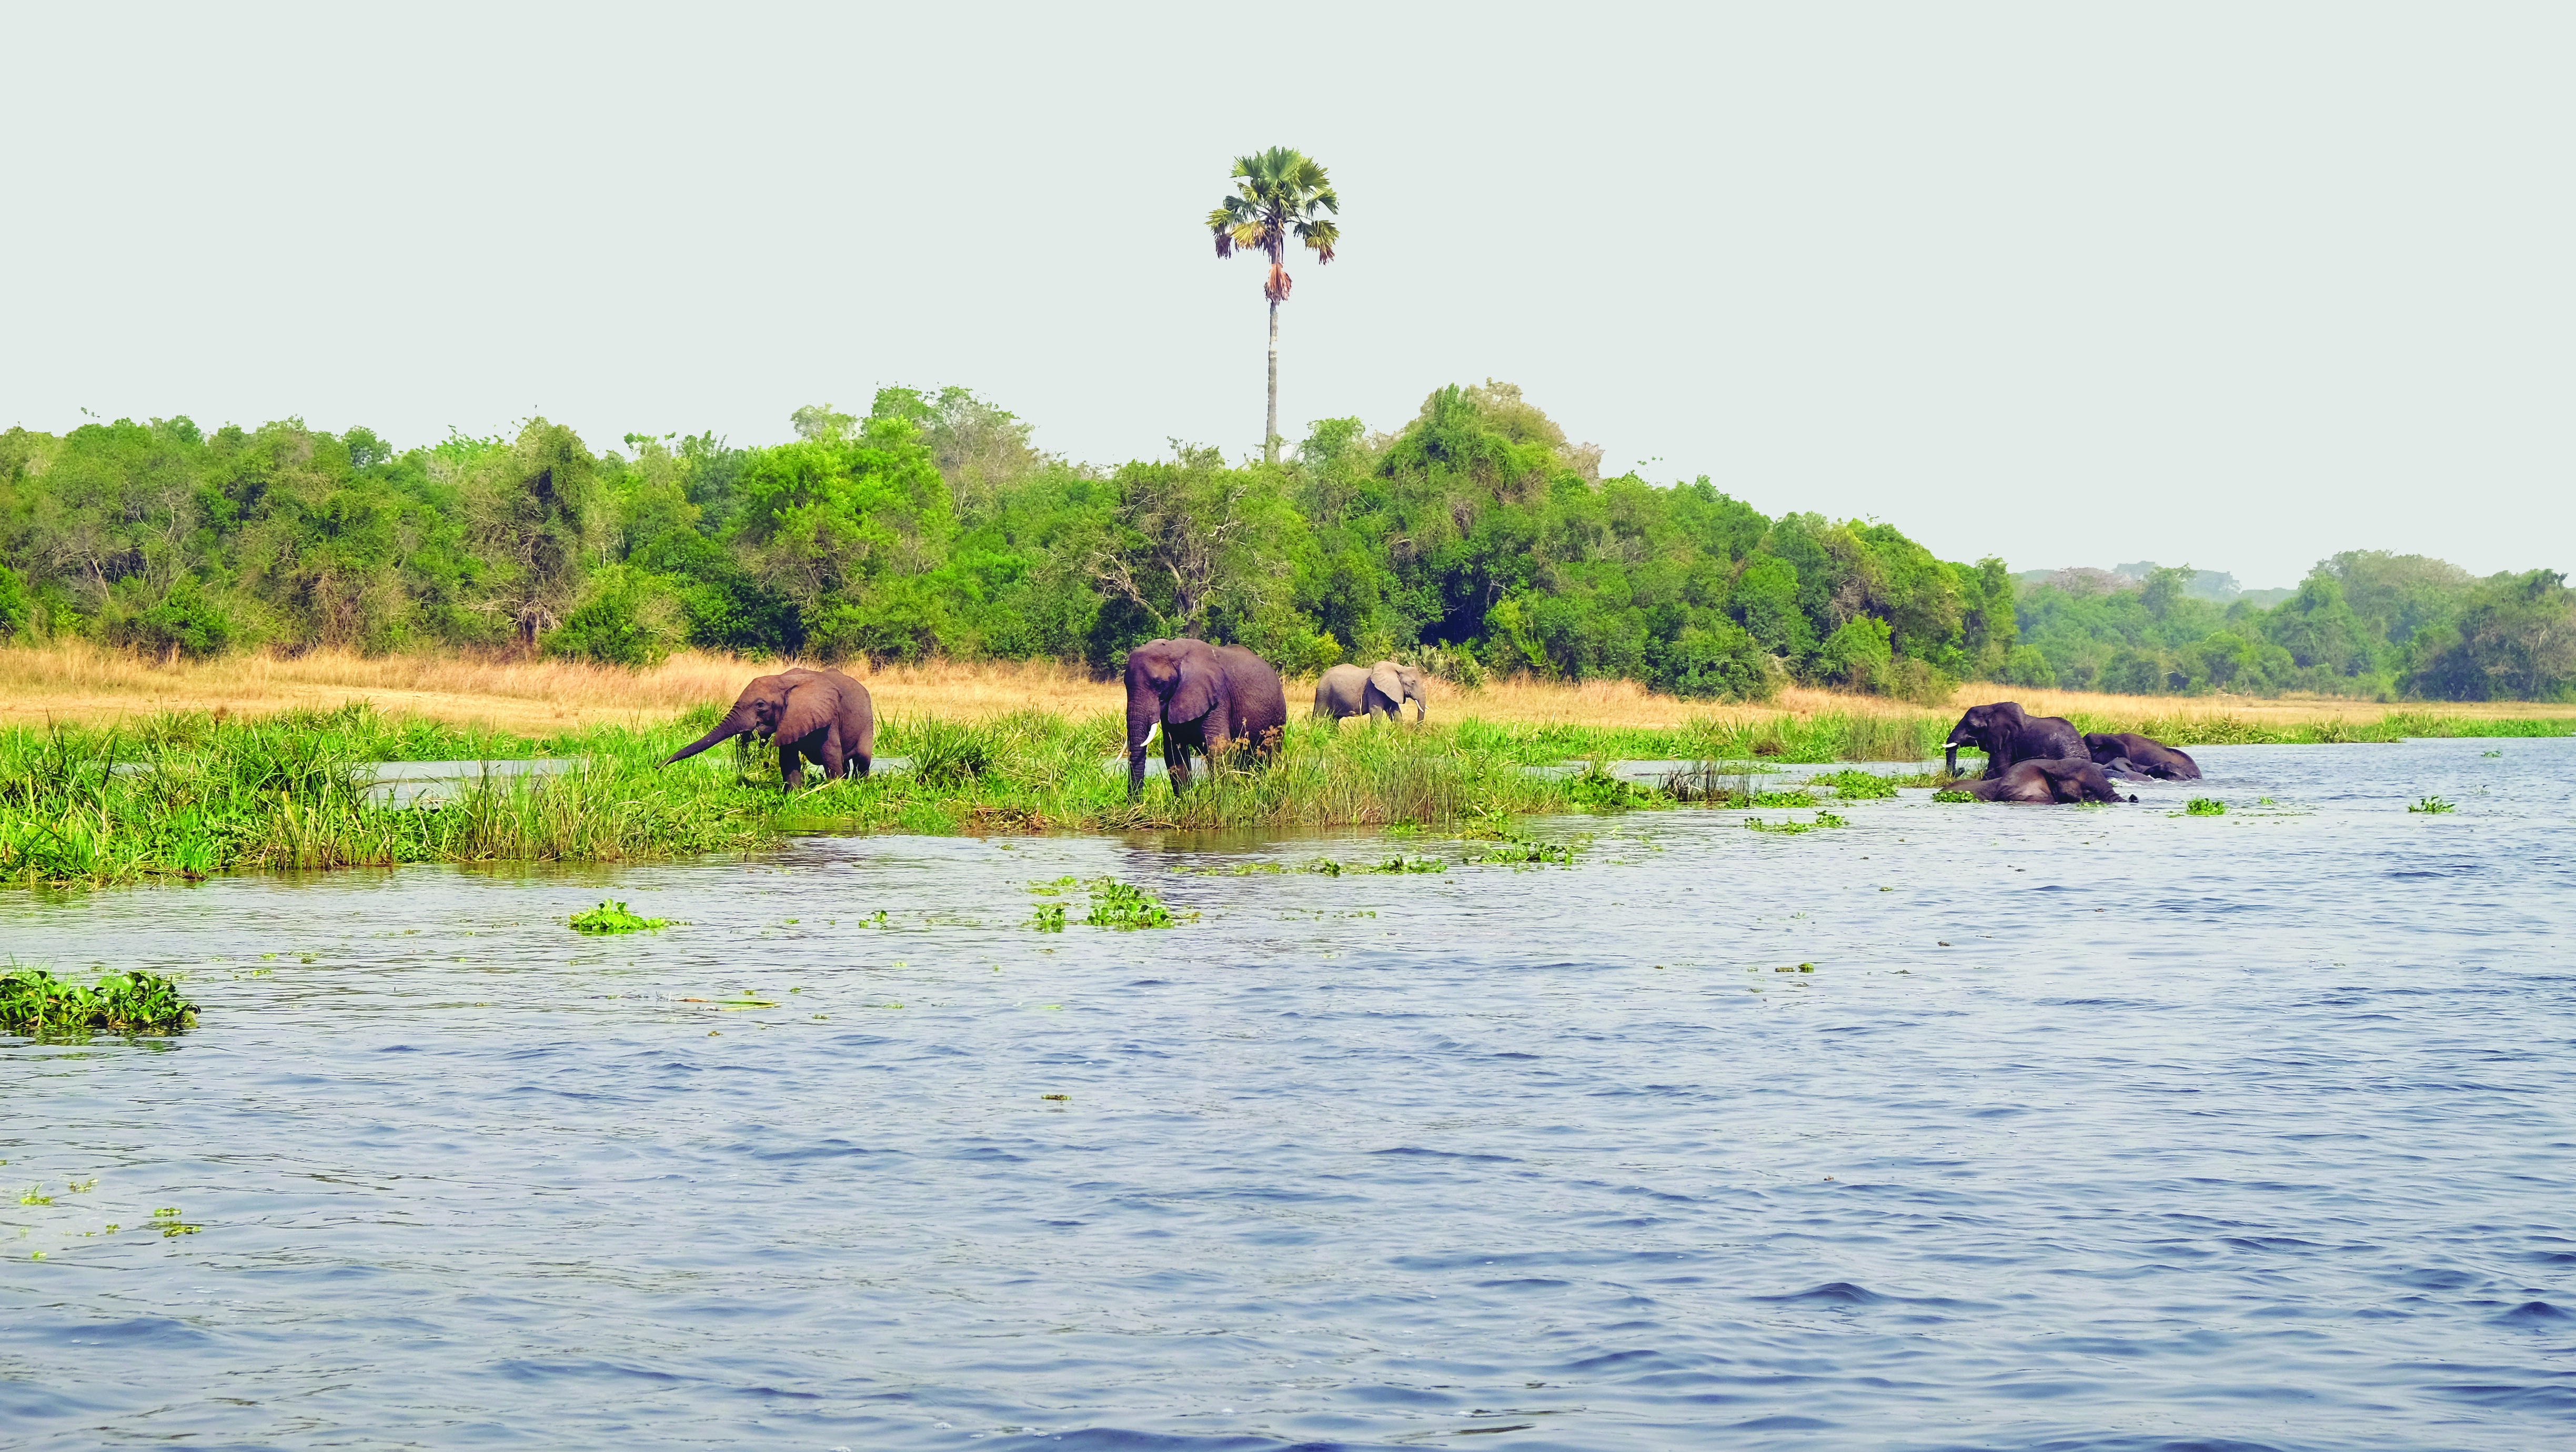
(2090,1128)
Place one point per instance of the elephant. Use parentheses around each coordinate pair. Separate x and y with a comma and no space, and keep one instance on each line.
(2114,751)
(817,715)
(2067,779)
(2007,734)
(1346,690)
(1205,698)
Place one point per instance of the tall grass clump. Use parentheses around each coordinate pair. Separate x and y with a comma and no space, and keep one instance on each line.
(189,795)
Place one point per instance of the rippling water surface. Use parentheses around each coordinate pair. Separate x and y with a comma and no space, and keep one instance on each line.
(2091,1128)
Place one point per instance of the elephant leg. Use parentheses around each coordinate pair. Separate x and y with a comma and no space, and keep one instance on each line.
(1176,763)
(791,766)
(835,763)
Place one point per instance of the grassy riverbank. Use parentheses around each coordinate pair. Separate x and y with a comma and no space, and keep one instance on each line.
(188,794)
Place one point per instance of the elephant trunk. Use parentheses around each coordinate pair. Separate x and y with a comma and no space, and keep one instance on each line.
(736,722)
(1950,759)
(1143,715)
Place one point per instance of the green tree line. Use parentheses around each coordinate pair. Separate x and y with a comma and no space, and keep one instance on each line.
(2365,623)
(1474,539)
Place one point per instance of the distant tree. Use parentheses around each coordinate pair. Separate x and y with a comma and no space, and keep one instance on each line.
(1277,193)
(530,515)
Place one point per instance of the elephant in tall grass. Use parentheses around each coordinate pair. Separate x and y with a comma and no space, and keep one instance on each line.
(1347,690)
(820,716)
(1211,699)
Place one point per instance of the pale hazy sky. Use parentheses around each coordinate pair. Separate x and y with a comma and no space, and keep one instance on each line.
(2239,285)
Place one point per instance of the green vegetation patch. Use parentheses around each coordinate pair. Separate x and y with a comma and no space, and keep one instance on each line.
(1952,794)
(1396,864)
(35,1003)
(2205,807)
(613,917)
(1823,821)
(1512,851)
(1124,906)
(2433,805)
(1856,786)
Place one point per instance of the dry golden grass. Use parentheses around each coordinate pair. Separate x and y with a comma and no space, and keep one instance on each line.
(75,681)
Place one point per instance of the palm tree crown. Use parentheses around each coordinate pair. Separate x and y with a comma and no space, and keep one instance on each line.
(1278,193)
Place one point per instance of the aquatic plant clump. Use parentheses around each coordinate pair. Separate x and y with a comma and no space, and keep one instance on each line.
(613,917)
(34,1002)
(2433,805)
(1952,794)
(1521,851)
(1856,786)
(1824,821)
(2205,807)
(1124,906)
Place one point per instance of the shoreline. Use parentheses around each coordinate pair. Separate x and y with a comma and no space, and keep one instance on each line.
(81,684)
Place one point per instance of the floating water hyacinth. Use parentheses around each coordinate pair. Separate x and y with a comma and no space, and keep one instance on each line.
(612,917)
(1116,904)
(34,1002)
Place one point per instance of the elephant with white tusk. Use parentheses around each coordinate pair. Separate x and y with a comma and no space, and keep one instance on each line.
(1347,690)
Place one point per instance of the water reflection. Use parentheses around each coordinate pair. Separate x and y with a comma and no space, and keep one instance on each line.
(2092,1127)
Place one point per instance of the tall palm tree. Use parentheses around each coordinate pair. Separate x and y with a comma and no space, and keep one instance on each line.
(1277,193)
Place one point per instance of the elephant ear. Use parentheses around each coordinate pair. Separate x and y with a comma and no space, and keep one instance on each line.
(1388,681)
(1194,694)
(812,704)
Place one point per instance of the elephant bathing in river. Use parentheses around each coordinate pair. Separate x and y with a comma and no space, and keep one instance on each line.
(819,716)
(1347,690)
(2072,779)
(2126,751)
(2007,734)
(1205,698)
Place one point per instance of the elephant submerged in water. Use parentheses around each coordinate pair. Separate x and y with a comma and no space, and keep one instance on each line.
(2068,779)
(820,716)
(2008,734)
(1206,698)
(2126,752)
(1347,690)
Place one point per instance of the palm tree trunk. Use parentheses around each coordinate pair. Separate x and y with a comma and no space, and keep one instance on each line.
(1270,436)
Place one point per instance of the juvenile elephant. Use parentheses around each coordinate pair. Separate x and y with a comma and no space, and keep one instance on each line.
(1205,698)
(1346,690)
(2071,779)
(819,716)
(2006,734)
(2141,755)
